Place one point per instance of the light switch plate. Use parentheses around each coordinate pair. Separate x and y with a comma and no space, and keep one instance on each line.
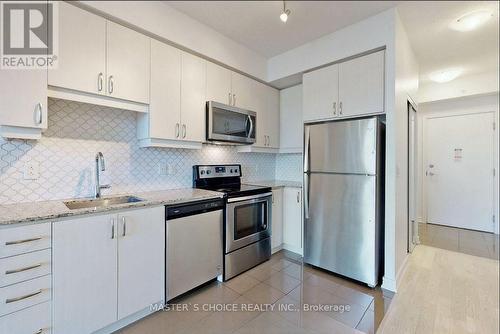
(31,170)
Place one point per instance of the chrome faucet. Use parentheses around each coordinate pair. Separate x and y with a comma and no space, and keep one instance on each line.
(99,160)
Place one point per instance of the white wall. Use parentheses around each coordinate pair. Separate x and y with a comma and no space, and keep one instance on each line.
(469,104)
(482,83)
(158,18)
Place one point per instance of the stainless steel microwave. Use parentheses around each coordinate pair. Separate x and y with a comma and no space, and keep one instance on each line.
(230,124)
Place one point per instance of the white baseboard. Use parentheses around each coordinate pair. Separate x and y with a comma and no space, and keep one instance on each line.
(391,284)
(276,249)
(128,320)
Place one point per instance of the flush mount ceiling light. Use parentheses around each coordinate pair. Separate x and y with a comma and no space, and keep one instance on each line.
(445,75)
(471,20)
(284,13)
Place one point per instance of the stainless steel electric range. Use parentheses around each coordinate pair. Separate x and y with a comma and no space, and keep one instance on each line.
(247,223)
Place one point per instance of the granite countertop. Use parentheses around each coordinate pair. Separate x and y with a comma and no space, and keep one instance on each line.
(46,210)
(276,183)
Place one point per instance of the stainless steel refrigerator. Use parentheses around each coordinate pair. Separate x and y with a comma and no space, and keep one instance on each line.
(344,197)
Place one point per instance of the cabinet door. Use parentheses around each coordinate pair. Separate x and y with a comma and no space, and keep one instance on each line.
(292,219)
(272,118)
(128,62)
(277,219)
(245,92)
(165,103)
(84,274)
(23,101)
(141,259)
(82,51)
(291,131)
(218,84)
(361,85)
(320,93)
(193,99)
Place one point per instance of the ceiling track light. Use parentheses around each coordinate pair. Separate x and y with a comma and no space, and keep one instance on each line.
(284,13)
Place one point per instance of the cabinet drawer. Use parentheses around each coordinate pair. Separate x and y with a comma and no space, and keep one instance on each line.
(19,296)
(23,267)
(24,239)
(33,320)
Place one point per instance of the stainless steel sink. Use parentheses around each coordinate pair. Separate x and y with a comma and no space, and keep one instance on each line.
(101,202)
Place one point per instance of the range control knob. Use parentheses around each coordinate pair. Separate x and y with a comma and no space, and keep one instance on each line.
(202,172)
(208,171)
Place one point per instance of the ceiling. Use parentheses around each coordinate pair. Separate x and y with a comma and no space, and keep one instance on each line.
(256,25)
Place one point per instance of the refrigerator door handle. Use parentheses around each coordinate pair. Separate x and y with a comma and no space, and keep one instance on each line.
(307,140)
(306,196)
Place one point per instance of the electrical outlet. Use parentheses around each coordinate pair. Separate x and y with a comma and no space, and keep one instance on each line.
(31,170)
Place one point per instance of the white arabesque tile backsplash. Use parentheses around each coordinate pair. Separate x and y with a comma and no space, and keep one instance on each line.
(77,131)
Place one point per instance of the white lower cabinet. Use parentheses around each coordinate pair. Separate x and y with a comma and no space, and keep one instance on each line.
(31,320)
(106,267)
(292,220)
(277,220)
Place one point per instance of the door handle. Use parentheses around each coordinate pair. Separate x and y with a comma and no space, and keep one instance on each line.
(124,226)
(17,299)
(184,131)
(306,196)
(298,196)
(334,108)
(19,270)
(251,127)
(38,113)
(234,99)
(176,130)
(340,108)
(229,98)
(99,82)
(111,85)
(17,242)
(112,228)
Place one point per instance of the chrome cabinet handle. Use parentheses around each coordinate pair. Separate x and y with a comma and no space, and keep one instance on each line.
(234,99)
(15,271)
(251,127)
(298,196)
(40,331)
(111,85)
(229,98)
(112,228)
(177,130)
(124,226)
(16,299)
(184,131)
(17,242)
(335,108)
(340,108)
(38,113)
(100,79)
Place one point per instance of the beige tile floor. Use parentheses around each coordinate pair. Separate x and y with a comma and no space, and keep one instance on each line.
(282,288)
(460,240)
(444,291)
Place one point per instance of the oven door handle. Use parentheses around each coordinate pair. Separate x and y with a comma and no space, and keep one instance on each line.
(246,198)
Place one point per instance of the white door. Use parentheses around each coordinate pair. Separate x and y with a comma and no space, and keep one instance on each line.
(218,84)
(82,51)
(193,100)
(459,171)
(165,99)
(320,93)
(128,55)
(361,85)
(245,92)
(292,220)
(277,219)
(291,130)
(141,259)
(412,189)
(84,274)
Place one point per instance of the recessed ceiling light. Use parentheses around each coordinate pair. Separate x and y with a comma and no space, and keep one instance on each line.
(284,13)
(471,20)
(445,75)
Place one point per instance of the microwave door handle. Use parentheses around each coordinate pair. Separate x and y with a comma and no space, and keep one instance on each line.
(251,126)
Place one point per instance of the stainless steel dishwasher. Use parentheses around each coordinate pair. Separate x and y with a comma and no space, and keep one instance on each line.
(194,245)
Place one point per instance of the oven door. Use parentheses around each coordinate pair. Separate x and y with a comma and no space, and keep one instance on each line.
(248,219)
(230,124)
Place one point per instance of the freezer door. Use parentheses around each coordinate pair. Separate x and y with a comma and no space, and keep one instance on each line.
(341,225)
(342,147)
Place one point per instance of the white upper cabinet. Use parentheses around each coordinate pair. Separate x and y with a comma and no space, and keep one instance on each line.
(272,118)
(348,89)
(219,84)
(164,118)
(291,129)
(361,85)
(244,92)
(23,103)
(82,51)
(193,98)
(320,93)
(127,64)
(141,259)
